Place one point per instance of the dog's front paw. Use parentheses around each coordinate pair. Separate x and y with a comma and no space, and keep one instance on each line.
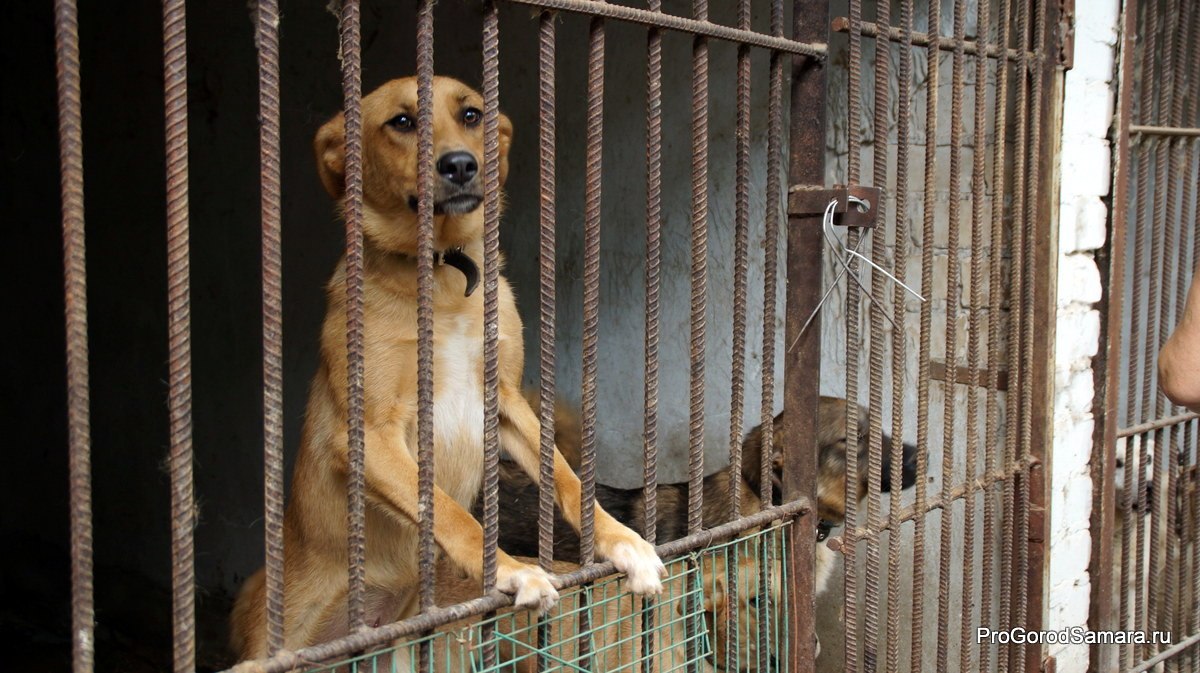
(637,559)
(530,585)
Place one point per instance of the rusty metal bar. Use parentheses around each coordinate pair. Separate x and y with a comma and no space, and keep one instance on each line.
(653,271)
(1165,655)
(958,492)
(853,299)
(653,278)
(1159,424)
(804,263)
(879,156)
(692,27)
(904,105)
(179,327)
(425,185)
(1171,131)
(741,256)
(895,34)
(267,41)
(699,266)
(591,282)
(958,82)
(546,287)
(923,375)
(1106,611)
(546,298)
(349,30)
(997,380)
(70,139)
(369,637)
(1038,389)
(491,319)
(967,641)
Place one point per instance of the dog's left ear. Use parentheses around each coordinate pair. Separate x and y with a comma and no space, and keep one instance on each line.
(330,149)
(506,132)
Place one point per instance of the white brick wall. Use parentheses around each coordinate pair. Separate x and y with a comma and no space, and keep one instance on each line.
(1087,114)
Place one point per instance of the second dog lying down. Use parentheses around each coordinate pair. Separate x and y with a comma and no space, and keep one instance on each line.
(518,495)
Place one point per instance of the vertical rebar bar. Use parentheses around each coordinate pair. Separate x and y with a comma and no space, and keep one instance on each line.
(70,138)
(997,457)
(699,271)
(929,219)
(653,279)
(880,144)
(425,206)
(899,336)
(491,314)
(853,298)
(267,41)
(352,210)
(967,638)
(183,504)
(958,83)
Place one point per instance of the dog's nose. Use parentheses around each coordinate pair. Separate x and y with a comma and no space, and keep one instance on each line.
(458,167)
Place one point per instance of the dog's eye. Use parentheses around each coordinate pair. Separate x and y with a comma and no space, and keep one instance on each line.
(403,123)
(471,116)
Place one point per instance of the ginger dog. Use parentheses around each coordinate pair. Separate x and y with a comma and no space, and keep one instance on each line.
(315,547)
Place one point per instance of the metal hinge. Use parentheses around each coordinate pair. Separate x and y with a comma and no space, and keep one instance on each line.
(1066,34)
(856,205)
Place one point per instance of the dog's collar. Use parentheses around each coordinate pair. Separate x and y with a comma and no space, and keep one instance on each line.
(458,259)
(823,528)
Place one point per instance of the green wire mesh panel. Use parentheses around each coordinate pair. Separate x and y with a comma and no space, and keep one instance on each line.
(695,624)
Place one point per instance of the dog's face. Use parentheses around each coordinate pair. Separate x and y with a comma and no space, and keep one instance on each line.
(831,459)
(716,613)
(389,152)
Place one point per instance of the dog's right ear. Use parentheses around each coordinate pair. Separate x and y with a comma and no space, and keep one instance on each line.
(330,149)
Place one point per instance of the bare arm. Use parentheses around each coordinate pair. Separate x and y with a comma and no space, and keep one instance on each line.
(1179,359)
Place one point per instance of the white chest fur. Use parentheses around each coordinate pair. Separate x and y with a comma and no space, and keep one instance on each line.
(458,408)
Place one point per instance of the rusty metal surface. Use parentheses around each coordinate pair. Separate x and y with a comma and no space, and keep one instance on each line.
(1155,505)
(179,401)
(874,29)
(900,242)
(546,293)
(591,285)
(352,213)
(267,41)
(803,265)
(695,27)
(70,139)
(699,272)
(814,199)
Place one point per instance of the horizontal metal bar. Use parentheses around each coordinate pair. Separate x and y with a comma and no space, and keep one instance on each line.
(956,493)
(1158,424)
(679,23)
(427,621)
(1170,653)
(1135,130)
(962,375)
(842,25)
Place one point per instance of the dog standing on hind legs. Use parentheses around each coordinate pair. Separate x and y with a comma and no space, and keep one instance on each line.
(315,546)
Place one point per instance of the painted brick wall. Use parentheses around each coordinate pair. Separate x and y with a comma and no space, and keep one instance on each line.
(1086,163)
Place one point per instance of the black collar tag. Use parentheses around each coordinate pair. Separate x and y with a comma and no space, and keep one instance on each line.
(458,259)
(823,528)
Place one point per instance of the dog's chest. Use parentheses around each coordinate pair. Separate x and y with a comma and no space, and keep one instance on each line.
(458,407)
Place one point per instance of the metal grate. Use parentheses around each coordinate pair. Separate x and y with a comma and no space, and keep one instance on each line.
(1146,559)
(967,366)
(993,385)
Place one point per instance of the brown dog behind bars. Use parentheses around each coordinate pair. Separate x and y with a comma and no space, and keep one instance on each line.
(315,547)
